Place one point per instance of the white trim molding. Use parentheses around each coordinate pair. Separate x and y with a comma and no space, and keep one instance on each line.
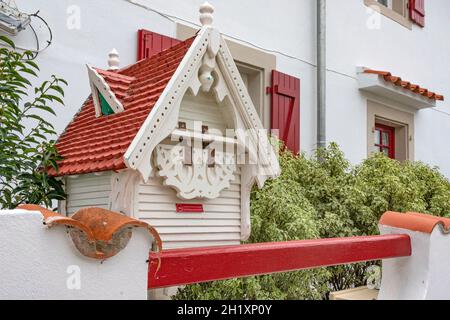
(197,180)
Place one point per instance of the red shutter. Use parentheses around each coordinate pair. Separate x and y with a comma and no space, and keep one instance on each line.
(417,11)
(151,43)
(285,114)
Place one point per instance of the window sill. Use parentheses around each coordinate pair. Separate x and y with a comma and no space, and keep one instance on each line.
(389,13)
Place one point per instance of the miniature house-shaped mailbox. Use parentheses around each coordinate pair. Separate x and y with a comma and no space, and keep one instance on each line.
(173,140)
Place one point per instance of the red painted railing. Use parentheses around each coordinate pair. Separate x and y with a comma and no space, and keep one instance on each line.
(187,266)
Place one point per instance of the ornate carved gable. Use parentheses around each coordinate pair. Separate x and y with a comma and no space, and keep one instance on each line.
(209,68)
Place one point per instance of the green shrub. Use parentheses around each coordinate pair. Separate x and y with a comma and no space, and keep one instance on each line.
(327,199)
(25,132)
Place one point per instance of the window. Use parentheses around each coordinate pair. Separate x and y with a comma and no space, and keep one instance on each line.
(396,10)
(385,140)
(390,130)
(253,78)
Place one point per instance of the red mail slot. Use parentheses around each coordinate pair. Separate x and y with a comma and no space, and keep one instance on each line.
(189,208)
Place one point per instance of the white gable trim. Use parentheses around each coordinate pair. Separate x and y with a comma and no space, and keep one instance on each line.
(208,52)
(99,84)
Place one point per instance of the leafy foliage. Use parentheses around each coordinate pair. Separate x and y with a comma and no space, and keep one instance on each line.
(25,148)
(327,199)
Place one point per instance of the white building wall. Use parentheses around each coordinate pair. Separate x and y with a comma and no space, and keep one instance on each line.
(41,263)
(417,55)
(285,28)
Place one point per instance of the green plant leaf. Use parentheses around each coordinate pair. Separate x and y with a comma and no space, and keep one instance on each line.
(7,41)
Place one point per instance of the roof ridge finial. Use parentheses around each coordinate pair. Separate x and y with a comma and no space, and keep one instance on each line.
(206,14)
(113,61)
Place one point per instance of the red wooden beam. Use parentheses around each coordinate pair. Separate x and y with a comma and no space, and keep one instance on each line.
(187,266)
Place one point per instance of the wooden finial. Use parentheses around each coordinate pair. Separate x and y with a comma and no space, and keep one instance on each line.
(113,61)
(206,14)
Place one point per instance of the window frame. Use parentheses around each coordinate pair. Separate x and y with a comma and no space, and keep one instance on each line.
(400,17)
(384,112)
(391,137)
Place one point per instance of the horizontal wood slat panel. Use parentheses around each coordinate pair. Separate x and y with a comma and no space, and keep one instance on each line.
(207,236)
(152,191)
(194,230)
(198,244)
(73,209)
(201,216)
(193,222)
(170,207)
(88,190)
(90,195)
(170,199)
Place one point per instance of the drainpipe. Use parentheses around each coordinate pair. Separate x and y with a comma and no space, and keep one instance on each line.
(321,74)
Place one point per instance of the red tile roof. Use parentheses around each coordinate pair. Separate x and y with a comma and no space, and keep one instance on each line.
(90,144)
(405,84)
(415,221)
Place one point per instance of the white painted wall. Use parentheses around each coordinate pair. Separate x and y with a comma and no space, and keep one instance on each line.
(41,263)
(286,27)
(417,55)
(422,276)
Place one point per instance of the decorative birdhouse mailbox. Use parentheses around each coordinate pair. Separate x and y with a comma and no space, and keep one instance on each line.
(174,140)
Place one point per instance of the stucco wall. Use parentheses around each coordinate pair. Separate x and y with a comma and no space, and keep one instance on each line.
(288,28)
(41,263)
(417,55)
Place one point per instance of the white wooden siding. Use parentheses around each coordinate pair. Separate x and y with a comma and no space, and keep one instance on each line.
(204,108)
(88,190)
(219,225)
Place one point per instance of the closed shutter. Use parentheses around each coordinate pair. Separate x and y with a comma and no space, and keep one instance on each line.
(417,11)
(151,43)
(285,113)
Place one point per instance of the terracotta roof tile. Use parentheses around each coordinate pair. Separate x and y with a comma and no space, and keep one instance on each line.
(103,233)
(91,144)
(387,76)
(415,221)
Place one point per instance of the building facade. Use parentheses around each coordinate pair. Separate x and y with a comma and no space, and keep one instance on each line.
(274,46)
